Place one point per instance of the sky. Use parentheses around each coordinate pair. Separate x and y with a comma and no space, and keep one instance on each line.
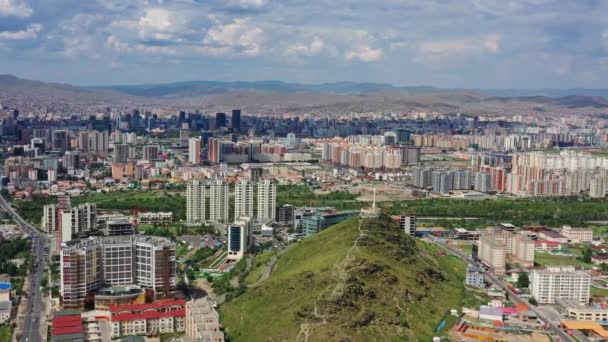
(457,43)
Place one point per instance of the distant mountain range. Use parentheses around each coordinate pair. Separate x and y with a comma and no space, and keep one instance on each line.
(277,96)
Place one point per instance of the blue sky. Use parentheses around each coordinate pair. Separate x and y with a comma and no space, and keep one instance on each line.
(458,43)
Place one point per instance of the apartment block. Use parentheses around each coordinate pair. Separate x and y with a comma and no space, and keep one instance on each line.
(553,283)
(89,264)
(218,200)
(267,200)
(195,202)
(243,199)
(202,321)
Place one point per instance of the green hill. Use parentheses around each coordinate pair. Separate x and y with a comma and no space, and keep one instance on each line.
(361,280)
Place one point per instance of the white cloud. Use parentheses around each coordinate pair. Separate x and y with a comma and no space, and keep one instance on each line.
(239,37)
(15,8)
(444,51)
(313,48)
(30,32)
(364,54)
(248,4)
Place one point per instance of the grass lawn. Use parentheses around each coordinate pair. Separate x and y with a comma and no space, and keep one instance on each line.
(259,264)
(310,273)
(6,332)
(596,292)
(467,249)
(546,259)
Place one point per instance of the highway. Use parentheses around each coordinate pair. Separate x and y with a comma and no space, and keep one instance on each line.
(30,330)
(563,337)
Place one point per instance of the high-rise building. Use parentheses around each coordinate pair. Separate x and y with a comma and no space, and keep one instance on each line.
(83,141)
(195,202)
(220,120)
(89,264)
(243,199)
(238,236)
(49,218)
(99,141)
(63,203)
(267,200)
(597,186)
(150,152)
(218,201)
(422,177)
(202,321)
(403,136)
(213,150)
(121,153)
(493,250)
(78,220)
(236,120)
(194,151)
(407,223)
(483,182)
(442,182)
(546,286)
(61,140)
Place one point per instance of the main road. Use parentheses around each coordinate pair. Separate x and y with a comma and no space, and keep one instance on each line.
(512,296)
(30,330)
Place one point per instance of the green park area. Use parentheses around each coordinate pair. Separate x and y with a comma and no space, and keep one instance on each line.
(6,332)
(552,212)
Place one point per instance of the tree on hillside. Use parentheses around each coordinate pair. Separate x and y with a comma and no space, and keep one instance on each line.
(523,281)
(587,254)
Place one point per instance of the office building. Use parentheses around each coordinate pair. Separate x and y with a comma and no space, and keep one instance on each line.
(218,200)
(61,140)
(236,120)
(194,151)
(285,214)
(243,199)
(407,223)
(118,226)
(89,264)
(220,120)
(572,309)
(474,277)
(267,200)
(121,153)
(150,152)
(238,239)
(195,202)
(577,235)
(321,218)
(553,283)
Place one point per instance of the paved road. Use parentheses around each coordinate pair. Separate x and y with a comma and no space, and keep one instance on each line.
(512,296)
(33,316)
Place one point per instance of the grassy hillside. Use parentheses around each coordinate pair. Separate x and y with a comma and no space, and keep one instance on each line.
(362,280)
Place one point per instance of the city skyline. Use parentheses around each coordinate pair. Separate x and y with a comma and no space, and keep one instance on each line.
(530,44)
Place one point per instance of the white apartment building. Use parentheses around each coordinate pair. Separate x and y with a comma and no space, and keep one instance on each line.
(49,218)
(155,217)
(597,187)
(577,235)
(493,250)
(195,202)
(243,199)
(554,283)
(267,200)
(218,197)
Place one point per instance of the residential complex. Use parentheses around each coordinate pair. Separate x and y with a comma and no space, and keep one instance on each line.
(90,264)
(554,283)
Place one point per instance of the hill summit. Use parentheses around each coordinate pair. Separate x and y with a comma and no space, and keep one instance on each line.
(361,280)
